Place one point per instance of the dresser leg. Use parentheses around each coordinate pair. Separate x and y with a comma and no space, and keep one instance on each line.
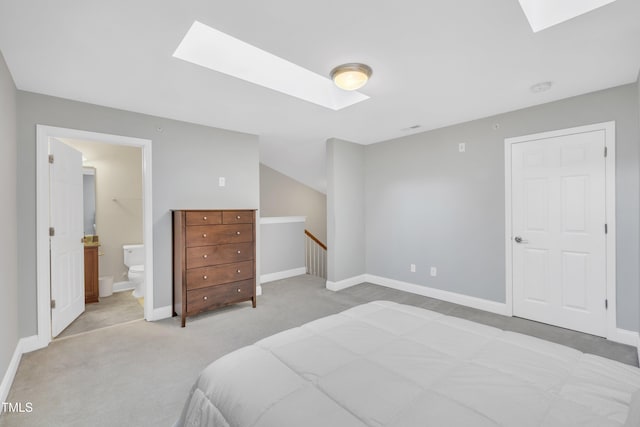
(183,320)
(253,301)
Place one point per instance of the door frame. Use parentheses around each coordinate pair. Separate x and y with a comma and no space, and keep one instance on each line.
(43,278)
(610,216)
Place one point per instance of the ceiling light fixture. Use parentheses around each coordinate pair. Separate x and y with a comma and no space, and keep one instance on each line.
(220,52)
(351,76)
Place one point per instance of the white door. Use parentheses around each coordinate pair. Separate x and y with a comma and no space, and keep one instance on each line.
(67,249)
(558,231)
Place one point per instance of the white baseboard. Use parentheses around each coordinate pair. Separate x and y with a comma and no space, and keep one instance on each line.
(258,290)
(270,277)
(466,300)
(624,336)
(29,344)
(346,283)
(24,345)
(161,313)
(10,374)
(123,286)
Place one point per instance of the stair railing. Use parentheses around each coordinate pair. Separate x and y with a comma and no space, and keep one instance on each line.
(315,255)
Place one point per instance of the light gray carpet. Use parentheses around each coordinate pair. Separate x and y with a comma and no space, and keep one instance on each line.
(139,374)
(121,307)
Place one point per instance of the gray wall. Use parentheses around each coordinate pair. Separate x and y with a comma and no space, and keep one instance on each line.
(9,221)
(638,90)
(345,210)
(282,247)
(187,161)
(281,195)
(430,205)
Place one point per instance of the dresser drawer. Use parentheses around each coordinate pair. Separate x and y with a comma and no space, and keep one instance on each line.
(237,217)
(203,256)
(203,217)
(201,235)
(215,296)
(208,276)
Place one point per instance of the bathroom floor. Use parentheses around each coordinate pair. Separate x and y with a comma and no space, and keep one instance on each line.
(121,307)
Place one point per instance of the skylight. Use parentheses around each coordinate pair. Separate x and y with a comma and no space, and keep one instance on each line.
(213,49)
(547,13)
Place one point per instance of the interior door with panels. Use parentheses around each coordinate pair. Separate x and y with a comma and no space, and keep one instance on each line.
(66,242)
(558,231)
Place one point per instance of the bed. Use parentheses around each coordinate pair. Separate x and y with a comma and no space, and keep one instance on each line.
(388,364)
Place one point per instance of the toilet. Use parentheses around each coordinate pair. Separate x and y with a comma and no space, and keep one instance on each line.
(134,260)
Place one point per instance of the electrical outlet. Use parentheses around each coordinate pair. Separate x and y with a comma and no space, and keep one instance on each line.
(412,268)
(434,272)
(462,147)
(222,181)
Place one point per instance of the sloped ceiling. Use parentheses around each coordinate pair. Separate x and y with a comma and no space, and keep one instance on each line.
(435,63)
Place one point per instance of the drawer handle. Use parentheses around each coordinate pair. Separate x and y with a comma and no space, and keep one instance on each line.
(205,255)
(204,234)
(239,290)
(238,251)
(238,271)
(238,217)
(205,298)
(204,218)
(238,233)
(204,277)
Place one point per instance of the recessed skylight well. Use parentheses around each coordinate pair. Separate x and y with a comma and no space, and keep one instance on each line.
(218,51)
(547,13)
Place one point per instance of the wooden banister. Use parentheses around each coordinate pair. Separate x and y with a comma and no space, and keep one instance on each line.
(315,239)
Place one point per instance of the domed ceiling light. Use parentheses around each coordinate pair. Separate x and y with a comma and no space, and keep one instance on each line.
(351,76)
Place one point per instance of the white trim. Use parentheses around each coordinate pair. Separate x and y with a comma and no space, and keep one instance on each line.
(123,286)
(258,290)
(162,313)
(466,300)
(624,336)
(10,374)
(282,219)
(610,177)
(346,283)
(29,344)
(279,275)
(43,133)
(24,345)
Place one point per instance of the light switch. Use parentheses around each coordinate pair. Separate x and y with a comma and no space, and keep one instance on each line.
(222,181)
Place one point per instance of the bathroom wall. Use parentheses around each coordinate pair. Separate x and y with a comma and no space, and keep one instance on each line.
(118,200)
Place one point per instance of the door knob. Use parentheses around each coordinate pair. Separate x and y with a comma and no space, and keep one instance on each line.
(519,239)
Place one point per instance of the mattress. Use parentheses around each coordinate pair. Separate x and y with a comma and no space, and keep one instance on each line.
(388,364)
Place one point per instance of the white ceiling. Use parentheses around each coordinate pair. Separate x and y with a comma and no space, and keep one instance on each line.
(435,63)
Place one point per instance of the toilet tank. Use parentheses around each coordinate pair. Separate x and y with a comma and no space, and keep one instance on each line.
(133,255)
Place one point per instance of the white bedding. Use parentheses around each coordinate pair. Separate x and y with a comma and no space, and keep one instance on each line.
(387,364)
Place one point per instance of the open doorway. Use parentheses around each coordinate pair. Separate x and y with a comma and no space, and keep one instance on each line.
(44,135)
(112,234)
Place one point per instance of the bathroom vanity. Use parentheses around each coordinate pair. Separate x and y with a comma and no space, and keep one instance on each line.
(214,259)
(91,273)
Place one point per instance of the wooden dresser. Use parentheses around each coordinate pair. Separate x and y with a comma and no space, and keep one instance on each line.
(214,259)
